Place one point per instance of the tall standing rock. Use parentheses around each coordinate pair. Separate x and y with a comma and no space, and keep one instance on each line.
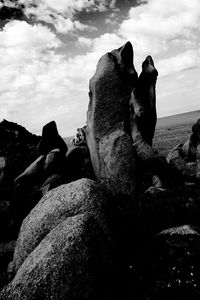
(143,101)
(107,131)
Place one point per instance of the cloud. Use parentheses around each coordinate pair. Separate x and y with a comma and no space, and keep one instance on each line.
(155,25)
(40,83)
(155,28)
(60,13)
(37,84)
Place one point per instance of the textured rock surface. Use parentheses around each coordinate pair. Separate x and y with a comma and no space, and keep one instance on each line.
(69,263)
(110,92)
(80,137)
(186,157)
(54,162)
(18,147)
(67,200)
(6,253)
(32,174)
(117,159)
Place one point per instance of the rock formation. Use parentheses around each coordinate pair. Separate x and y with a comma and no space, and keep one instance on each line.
(80,137)
(186,157)
(109,143)
(117,234)
(143,102)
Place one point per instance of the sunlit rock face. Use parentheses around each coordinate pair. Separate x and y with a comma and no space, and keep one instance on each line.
(173,270)
(108,120)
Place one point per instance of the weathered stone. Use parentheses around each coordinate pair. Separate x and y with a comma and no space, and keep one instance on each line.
(143,101)
(32,174)
(51,139)
(110,92)
(60,203)
(173,267)
(54,162)
(51,182)
(176,160)
(72,262)
(80,137)
(185,149)
(6,253)
(117,160)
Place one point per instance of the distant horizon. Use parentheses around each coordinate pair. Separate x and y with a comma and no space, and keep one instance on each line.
(74,132)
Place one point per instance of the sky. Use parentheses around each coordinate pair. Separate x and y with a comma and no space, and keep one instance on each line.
(49,50)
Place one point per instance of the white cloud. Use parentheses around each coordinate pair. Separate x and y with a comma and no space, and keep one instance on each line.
(154,25)
(37,84)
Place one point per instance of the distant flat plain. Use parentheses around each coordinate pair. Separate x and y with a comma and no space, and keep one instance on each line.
(173,130)
(170,131)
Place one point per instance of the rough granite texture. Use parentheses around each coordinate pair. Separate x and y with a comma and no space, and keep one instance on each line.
(67,264)
(117,159)
(58,204)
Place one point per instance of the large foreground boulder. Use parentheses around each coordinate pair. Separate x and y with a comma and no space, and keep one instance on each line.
(71,262)
(108,119)
(58,204)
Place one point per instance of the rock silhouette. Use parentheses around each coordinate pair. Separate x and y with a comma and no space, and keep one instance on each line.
(143,101)
(51,139)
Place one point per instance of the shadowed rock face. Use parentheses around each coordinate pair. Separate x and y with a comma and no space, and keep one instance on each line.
(51,139)
(143,102)
(174,266)
(186,157)
(108,117)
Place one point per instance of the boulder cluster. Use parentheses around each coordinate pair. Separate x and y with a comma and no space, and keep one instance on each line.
(107,218)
